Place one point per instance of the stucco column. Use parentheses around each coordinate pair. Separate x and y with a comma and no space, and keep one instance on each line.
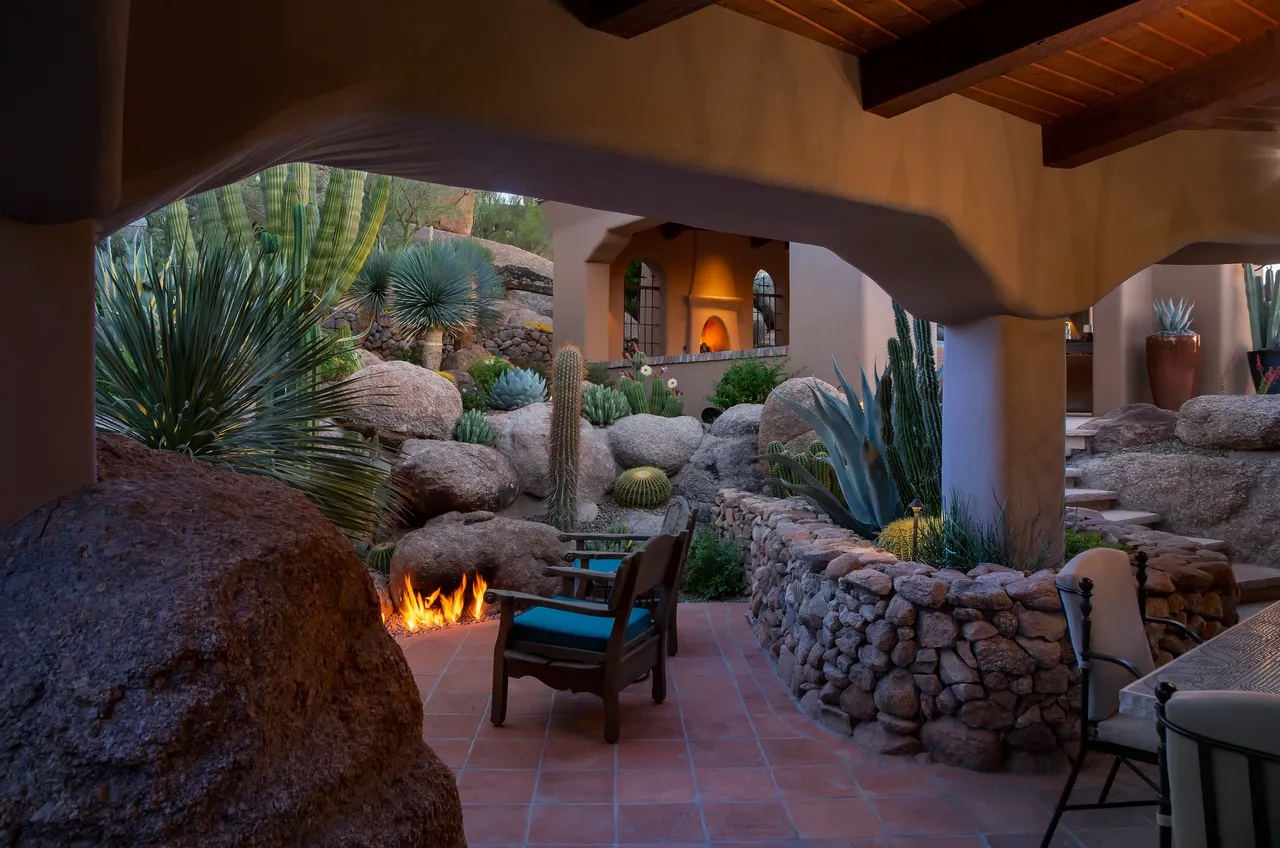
(46,431)
(1003,410)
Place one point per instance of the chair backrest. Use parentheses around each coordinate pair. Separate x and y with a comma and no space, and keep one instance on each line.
(676,517)
(1115,629)
(642,571)
(1223,753)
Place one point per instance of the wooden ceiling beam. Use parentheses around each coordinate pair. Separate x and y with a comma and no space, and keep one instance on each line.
(985,41)
(629,18)
(1194,97)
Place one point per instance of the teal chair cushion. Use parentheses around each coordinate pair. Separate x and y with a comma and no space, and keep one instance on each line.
(572,629)
(610,565)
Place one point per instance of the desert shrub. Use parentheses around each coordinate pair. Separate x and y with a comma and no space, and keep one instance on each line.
(714,567)
(540,326)
(747,381)
(344,362)
(474,397)
(619,545)
(409,353)
(599,373)
(485,371)
(1079,541)
(537,366)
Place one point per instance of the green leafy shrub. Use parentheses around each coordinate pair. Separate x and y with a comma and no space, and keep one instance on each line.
(379,558)
(747,381)
(602,405)
(344,362)
(537,366)
(473,427)
(486,371)
(599,373)
(714,568)
(643,488)
(1079,541)
(516,388)
(619,545)
(408,353)
(474,397)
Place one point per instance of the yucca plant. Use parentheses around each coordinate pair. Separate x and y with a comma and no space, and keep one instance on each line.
(219,359)
(851,432)
(371,290)
(443,286)
(1173,318)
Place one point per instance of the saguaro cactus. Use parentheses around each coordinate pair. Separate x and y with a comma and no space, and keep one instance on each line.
(566,411)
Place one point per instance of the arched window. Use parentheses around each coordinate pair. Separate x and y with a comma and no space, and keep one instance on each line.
(642,310)
(768,312)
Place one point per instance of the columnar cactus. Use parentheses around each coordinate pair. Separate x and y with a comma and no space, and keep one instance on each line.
(633,391)
(566,413)
(913,431)
(643,488)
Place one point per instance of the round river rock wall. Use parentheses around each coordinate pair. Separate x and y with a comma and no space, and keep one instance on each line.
(977,669)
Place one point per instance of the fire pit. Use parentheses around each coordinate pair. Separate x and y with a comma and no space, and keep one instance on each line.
(438,608)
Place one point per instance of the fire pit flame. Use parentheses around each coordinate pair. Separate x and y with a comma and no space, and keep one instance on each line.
(436,610)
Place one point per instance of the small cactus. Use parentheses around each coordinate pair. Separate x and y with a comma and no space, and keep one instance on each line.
(672,408)
(646,393)
(566,415)
(895,537)
(633,391)
(516,388)
(642,488)
(379,557)
(473,427)
(602,405)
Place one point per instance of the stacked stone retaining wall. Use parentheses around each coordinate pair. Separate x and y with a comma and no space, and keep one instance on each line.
(977,668)
(386,338)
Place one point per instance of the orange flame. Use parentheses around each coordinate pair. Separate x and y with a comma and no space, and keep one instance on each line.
(435,610)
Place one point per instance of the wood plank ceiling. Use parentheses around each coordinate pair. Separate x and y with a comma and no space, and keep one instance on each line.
(1098,75)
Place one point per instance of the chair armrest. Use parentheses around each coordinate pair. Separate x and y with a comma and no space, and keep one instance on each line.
(604,537)
(571,556)
(1169,622)
(1091,655)
(579,573)
(508,598)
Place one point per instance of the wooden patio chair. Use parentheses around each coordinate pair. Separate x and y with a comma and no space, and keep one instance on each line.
(1106,619)
(586,646)
(679,520)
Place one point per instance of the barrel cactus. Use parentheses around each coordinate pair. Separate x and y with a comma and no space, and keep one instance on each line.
(896,537)
(516,388)
(643,488)
(602,405)
(566,415)
(473,427)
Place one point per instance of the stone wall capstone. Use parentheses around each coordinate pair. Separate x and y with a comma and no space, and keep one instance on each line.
(977,668)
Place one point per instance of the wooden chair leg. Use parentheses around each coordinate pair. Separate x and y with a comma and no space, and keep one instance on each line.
(660,677)
(612,716)
(498,709)
(673,636)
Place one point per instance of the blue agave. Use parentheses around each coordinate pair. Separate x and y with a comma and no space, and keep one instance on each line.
(516,388)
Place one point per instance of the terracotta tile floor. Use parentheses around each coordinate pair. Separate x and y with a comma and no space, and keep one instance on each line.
(727,760)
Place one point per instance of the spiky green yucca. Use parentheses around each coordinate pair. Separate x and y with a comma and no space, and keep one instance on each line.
(912,430)
(643,488)
(371,290)
(516,388)
(473,427)
(566,417)
(602,405)
(443,286)
(219,360)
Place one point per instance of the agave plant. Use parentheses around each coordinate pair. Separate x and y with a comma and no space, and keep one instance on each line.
(219,359)
(1173,318)
(443,286)
(851,432)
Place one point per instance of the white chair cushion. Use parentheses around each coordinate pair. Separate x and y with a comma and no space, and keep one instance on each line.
(1245,719)
(1129,731)
(1117,628)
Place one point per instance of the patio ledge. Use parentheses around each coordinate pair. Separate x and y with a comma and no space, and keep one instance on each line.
(681,358)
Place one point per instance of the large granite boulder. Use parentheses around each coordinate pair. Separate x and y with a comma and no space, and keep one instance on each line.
(511,554)
(720,462)
(1129,426)
(1205,495)
(740,420)
(1231,422)
(654,440)
(524,437)
(191,657)
(438,477)
(779,423)
(405,401)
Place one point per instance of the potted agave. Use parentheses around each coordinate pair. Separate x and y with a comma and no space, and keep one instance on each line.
(1173,355)
(1264,326)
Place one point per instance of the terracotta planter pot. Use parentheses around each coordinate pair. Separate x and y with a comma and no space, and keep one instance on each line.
(1260,362)
(1173,368)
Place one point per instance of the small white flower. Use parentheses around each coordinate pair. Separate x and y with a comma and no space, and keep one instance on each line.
(671,384)
(646,370)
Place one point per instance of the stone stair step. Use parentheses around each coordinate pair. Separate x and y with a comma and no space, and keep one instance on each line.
(1252,608)
(1257,582)
(1070,476)
(1074,444)
(1130,516)
(1099,499)
(1211,544)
